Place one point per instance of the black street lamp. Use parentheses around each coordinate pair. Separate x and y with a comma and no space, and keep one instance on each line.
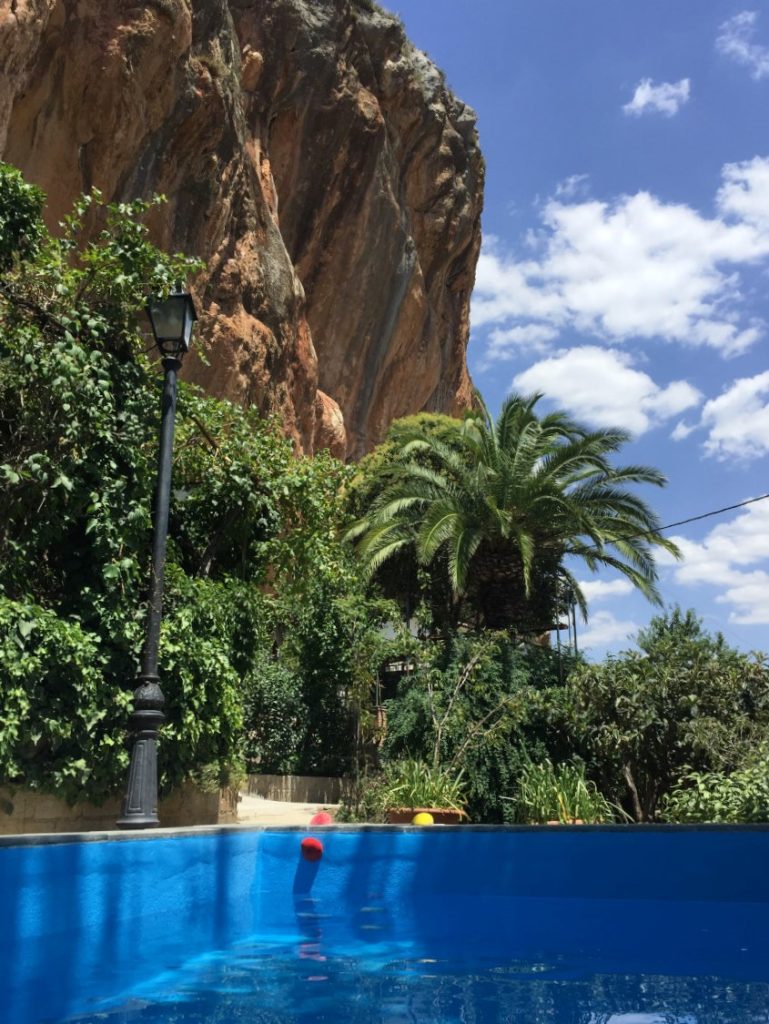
(172,319)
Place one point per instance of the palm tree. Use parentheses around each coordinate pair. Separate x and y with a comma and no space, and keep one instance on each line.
(503,505)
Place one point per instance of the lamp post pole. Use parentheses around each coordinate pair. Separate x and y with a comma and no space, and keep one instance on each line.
(140,804)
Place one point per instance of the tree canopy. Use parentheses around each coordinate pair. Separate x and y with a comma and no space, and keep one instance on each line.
(507,506)
(685,701)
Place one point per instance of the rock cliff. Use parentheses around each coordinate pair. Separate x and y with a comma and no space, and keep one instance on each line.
(311,156)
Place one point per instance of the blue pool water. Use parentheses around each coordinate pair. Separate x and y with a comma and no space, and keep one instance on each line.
(268,984)
(483,926)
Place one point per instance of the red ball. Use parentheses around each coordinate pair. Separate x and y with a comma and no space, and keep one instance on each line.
(312,849)
(321,818)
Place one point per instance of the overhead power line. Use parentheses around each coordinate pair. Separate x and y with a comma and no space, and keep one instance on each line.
(704,515)
(716,512)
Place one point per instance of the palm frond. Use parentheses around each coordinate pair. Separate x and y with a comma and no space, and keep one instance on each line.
(461,552)
(437,527)
(542,487)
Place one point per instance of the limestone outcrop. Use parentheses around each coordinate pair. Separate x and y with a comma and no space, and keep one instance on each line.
(311,156)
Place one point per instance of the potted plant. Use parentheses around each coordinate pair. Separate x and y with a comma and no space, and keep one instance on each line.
(559,795)
(412,786)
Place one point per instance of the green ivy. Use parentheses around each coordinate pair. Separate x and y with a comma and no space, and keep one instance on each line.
(60,721)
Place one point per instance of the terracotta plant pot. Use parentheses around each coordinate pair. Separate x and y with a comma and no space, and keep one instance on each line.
(574,821)
(441,815)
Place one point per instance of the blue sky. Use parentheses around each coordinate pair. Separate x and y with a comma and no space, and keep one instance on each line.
(625,265)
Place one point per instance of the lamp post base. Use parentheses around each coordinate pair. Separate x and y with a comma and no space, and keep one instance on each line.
(140,804)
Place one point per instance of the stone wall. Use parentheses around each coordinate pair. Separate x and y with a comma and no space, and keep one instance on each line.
(24,811)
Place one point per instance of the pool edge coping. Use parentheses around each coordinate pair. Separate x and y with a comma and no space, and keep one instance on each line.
(117,835)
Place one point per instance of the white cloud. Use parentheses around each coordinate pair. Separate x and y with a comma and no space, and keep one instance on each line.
(744,194)
(738,420)
(508,343)
(602,387)
(666,98)
(599,590)
(635,268)
(749,597)
(574,185)
(604,629)
(682,430)
(735,40)
(502,290)
(730,558)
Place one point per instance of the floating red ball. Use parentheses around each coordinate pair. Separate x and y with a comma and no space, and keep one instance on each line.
(312,848)
(321,818)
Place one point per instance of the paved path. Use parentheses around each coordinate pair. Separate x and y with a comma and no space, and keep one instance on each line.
(256,810)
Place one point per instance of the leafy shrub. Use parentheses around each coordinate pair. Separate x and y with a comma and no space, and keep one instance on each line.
(276,717)
(21,207)
(685,701)
(738,796)
(364,800)
(60,726)
(475,704)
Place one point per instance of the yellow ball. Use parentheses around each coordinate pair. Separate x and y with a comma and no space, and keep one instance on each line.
(423,818)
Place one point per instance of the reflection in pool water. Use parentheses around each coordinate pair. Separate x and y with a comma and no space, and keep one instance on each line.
(264,983)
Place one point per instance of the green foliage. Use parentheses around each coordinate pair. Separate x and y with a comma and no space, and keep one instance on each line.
(546,792)
(211,630)
(474,705)
(255,620)
(636,726)
(21,206)
(276,717)
(80,410)
(59,722)
(685,702)
(230,473)
(498,507)
(405,783)
(738,796)
(334,644)
(412,783)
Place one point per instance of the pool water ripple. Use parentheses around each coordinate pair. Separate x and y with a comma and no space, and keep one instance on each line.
(261,984)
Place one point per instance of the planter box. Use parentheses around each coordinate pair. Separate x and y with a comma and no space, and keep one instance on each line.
(441,815)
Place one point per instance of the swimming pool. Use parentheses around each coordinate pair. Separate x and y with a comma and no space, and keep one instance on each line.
(481,925)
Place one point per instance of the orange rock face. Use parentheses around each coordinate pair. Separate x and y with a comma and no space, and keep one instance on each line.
(311,156)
